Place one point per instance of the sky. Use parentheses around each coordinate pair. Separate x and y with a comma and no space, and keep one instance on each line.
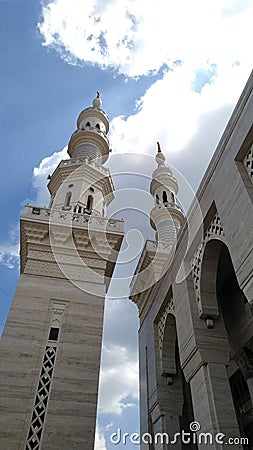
(169,71)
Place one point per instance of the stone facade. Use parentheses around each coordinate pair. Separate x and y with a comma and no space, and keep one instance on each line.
(196,322)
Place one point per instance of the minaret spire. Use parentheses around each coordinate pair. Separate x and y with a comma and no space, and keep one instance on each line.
(167,215)
(90,138)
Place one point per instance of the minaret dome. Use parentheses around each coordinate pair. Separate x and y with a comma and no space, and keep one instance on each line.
(90,138)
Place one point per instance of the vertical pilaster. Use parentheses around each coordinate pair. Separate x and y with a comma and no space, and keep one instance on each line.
(213,404)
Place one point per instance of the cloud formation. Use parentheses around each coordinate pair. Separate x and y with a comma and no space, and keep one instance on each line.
(137,37)
(119,358)
(40,174)
(9,254)
(171,110)
(9,250)
(120,371)
(99,440)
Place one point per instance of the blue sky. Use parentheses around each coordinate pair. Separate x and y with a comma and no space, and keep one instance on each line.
(163,75)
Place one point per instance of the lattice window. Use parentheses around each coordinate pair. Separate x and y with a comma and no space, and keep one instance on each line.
(41,399)
(215,229)
(161,324)
(248,162)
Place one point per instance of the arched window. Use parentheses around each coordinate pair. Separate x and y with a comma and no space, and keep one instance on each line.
(89,203)
(98,126)
(157,199)
(67,199)
(172,197)
(165,198)
(87,124)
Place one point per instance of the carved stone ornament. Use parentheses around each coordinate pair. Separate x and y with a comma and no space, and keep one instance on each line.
(215,230)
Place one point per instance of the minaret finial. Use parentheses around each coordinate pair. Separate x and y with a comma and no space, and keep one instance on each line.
(160,158)
(97,102)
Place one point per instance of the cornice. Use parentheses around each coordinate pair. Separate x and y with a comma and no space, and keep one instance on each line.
(51,236)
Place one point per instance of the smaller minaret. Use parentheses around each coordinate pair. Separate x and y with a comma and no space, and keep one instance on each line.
(167,215)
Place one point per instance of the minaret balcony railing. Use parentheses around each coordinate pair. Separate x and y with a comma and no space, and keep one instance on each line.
(59,217)
(79,161)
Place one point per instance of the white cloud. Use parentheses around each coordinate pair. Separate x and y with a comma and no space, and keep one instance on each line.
(9,254)
(136,36)
(99,439)
(40,174)
(9,250)
(118,387)
(171,111)
(147,36)
(118,380)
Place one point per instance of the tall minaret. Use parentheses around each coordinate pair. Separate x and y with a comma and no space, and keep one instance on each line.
(167,215)
(166,218)
(51,344)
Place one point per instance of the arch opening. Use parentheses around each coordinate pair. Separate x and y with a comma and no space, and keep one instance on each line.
(178,390)
(223,299)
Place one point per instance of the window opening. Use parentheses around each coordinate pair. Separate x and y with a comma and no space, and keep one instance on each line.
(68,198)
(165,198)
(53,334)
(89,203)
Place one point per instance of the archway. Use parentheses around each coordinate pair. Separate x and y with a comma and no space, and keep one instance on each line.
(221,296)
(175,392)
(233,304)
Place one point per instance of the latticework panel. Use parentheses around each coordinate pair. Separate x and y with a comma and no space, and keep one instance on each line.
(248,162)
(161,324)
(41,399)
(215,229)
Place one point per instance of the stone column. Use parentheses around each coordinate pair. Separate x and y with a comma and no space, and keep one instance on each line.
(213,406)
(164,428)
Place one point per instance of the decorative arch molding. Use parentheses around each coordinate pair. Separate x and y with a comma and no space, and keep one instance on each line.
(248,163)
(163,334)
(206,259)
(168,357)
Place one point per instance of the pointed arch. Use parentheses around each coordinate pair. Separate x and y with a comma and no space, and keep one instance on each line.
(168,353)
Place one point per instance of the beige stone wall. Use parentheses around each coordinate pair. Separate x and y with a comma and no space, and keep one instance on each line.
(71,413)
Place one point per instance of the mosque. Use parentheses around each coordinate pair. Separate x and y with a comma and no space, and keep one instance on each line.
(192,285)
